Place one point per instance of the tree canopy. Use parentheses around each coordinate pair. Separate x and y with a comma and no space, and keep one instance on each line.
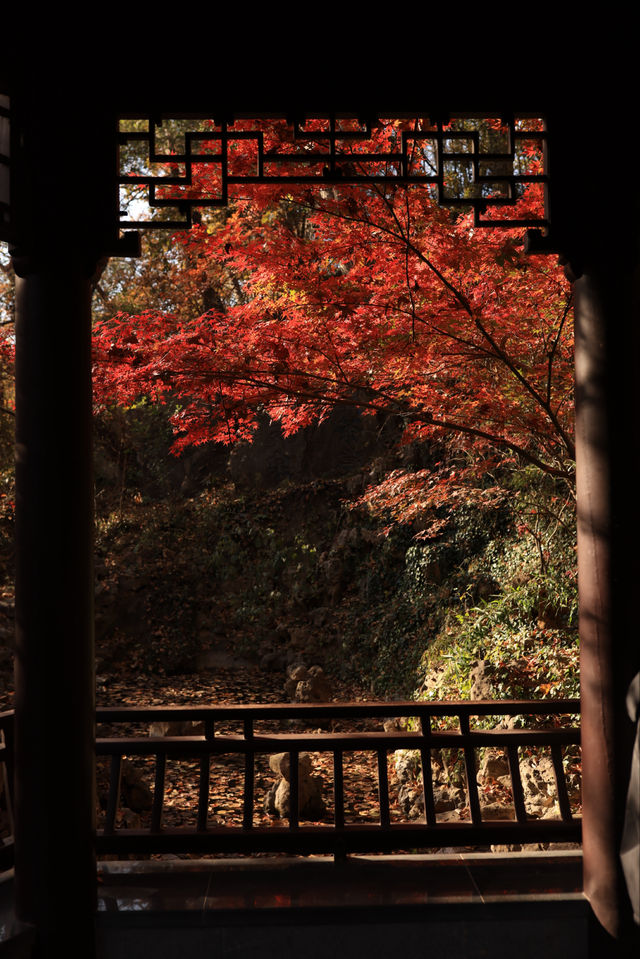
(372,296)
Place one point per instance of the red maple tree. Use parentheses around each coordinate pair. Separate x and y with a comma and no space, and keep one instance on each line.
(372,296)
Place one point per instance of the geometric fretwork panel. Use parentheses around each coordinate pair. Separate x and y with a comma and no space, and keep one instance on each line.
(171,166)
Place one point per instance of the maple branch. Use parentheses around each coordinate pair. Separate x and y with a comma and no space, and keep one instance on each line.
(106,300)
(336,357)
(554,515)
(475,348)
(255,379)
(554,347)
(508,444)
(460,297)
(498,352)
(235,282)
(506,359)
(406,273)
(405,239)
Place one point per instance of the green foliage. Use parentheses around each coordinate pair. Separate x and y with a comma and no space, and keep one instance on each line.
(526,633)
(407,588)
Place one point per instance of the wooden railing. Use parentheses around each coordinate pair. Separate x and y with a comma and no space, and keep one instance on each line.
(222,767)
(6,789)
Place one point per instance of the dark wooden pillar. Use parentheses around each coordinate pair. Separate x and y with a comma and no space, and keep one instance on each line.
(55,806)
(595,225)
(63,220)
(608,488)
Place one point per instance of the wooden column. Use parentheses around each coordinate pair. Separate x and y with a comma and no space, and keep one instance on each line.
(595,221)
(55,805)
(64,203)
(608,491)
